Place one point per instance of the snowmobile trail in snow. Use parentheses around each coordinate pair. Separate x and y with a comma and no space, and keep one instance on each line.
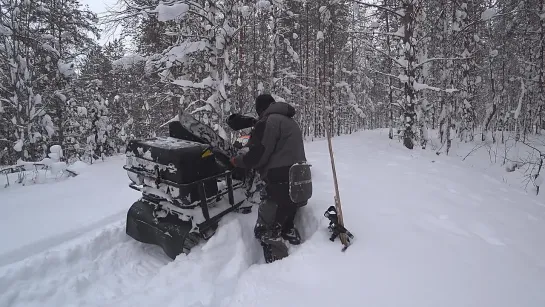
(37,247)
(45,215)
(90,269)
(108,268)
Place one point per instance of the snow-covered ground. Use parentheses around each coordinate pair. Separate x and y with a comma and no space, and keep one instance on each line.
(430,231)
(39,216)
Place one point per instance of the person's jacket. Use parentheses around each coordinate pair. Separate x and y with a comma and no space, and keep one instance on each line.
(276,143)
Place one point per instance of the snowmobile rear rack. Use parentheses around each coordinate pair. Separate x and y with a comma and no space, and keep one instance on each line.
(175,229)
(185,180)
(201,182)
(204,201)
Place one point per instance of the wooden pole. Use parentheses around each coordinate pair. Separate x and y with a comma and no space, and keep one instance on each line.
(342,236)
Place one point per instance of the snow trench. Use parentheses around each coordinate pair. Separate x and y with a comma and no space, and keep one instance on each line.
(108,268)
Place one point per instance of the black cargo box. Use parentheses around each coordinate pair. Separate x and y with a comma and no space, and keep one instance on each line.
(179,161)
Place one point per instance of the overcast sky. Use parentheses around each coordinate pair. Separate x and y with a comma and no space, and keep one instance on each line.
(99,7)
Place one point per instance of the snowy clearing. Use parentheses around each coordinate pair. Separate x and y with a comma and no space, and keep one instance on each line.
(430,231)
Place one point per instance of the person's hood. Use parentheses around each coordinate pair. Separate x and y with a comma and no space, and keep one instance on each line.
(280,108)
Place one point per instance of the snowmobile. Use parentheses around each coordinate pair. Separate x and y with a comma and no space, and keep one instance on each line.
(187,183)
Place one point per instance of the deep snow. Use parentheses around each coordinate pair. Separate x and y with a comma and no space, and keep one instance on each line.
(39,216)
(430,231)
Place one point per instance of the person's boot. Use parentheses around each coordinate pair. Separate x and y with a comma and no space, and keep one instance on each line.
(292,235)
(274,251)
(273,245)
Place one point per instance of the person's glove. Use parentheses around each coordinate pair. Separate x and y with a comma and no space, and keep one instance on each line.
(232,160)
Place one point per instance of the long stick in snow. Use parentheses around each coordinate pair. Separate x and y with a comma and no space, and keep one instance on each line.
(342,236)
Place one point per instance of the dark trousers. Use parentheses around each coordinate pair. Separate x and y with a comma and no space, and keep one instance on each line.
(276,213)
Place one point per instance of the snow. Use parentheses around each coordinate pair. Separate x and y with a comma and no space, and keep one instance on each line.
(455,26)
(489,14)
(61,96)
(170,12)
(430,231)
(400,32)
(78,167)
(320,36)
(521,99)
(180,52)
(44,215)
(129,61)
(66,69)
(47,122)
(82,111)
(263,4)
(245,11)
(48,37)
(18,145)
(206,82)
(539,180)
(167,143)
(49,48)
(57,151)
(5,30)
(421,86)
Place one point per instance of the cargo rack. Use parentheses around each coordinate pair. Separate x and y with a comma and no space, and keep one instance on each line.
(203,201)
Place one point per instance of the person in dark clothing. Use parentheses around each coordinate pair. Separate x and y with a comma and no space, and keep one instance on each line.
(276,143)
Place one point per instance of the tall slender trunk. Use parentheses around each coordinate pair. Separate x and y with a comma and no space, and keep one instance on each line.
(390,90)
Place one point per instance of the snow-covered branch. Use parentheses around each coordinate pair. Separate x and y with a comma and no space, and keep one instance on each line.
(375,32)
(440,59)
(380,7)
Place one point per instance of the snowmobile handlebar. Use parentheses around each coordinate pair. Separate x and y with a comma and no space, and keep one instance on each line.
(238,121)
